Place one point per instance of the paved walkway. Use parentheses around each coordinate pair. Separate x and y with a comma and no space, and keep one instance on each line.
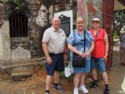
(117,73)
(116,76)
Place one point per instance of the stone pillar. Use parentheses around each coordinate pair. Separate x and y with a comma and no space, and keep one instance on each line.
(5,42)
(95,6)
(1,44)
(82,10)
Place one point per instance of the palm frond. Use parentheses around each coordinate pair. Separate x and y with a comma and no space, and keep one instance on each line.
(3,1)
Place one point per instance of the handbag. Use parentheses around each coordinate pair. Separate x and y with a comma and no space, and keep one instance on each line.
(69,70)
(78,61)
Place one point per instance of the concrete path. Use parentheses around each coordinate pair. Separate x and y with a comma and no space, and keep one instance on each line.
(116,76)
(117,73)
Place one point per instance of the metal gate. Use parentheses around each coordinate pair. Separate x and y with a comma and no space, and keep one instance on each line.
(108,9)
(18,22)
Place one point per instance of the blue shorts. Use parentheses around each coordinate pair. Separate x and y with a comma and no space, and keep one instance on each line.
(98,63)
(80,70)
(56,65)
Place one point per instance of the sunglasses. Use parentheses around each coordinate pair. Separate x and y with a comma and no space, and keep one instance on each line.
(95,22)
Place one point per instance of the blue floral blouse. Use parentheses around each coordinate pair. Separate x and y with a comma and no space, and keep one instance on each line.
(77,40)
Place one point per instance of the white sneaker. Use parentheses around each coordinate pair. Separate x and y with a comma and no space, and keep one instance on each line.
(75,91)
(83,89)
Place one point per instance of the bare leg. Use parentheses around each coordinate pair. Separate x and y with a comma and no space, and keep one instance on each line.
(105,77)
(76,80)
(82,86)
(82,79)
(76,83)
(56,85)
(94,73)
(56,76)
(94,83)
(48,81)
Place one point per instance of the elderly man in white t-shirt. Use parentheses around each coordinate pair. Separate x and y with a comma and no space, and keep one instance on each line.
(54,47)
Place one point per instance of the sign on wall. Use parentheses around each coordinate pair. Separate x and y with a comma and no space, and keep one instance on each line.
(65,24)
(66,18)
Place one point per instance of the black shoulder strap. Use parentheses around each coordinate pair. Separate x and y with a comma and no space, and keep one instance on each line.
(84,39)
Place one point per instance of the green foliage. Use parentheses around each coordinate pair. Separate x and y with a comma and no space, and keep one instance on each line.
(119,21)
(14,5)
(19,4)
(3,1)
(115,35)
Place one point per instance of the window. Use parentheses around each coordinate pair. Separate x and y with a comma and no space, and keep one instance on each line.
(18,22)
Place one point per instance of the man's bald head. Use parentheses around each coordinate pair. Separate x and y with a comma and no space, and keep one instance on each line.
(55,19)
(56,23)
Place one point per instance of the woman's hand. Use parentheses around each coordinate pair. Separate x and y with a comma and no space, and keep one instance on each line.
(81,54)
(87,54)
(105,58)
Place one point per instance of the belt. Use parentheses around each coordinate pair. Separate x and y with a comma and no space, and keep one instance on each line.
(53,54)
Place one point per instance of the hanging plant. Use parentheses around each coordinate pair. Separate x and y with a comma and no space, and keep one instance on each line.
(21,5)
(47,2)
(3,1)
(16,5)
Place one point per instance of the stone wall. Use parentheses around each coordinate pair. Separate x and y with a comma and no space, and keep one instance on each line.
(41,14)
(2,13)
(37,25)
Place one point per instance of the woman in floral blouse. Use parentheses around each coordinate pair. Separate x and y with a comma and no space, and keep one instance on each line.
(76,45)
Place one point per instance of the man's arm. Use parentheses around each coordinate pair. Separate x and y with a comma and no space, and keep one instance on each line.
(45,49)
(65,48)
(65,51)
